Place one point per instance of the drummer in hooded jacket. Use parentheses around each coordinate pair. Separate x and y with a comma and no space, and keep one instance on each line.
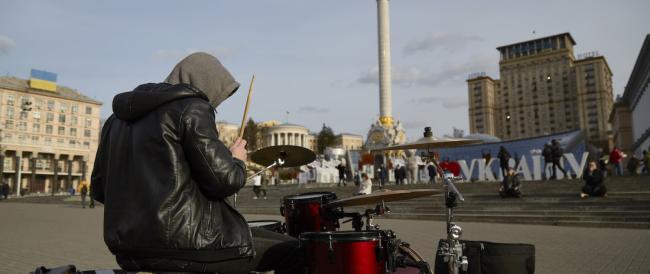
(164,177)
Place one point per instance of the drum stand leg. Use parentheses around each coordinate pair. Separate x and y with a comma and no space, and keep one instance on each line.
(452,250)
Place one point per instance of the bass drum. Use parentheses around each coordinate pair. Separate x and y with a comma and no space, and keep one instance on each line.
(270,225)
(345,252)
(360,252)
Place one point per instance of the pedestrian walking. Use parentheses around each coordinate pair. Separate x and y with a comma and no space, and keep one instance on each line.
(432,173)
(91,204)
(504,160)
(557,153)
(84,193)
(357,178)
(633,165)
(258,188)
(4,190)
(486,155)
(646,162)
(382,174)
(402,174)
(616,159)
(341,169)
(547,153)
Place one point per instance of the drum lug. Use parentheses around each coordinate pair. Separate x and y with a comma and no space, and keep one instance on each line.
(330,250)
(282,211)
(379,250)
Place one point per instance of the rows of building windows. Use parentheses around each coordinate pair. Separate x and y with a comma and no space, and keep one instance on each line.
(51,104)
(49,117)
(49,129)
(39,140)
(17,117)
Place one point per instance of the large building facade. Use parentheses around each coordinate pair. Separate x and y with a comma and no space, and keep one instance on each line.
(288,134)
(543,89)
(48,138)
(631,115)
(274,133)
(228,132)
(349,141)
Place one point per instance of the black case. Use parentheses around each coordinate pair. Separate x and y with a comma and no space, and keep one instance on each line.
(489,258)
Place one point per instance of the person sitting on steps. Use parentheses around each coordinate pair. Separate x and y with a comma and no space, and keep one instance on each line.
(510,187)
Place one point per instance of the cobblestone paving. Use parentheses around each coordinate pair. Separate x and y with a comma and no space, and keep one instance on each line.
(54,234)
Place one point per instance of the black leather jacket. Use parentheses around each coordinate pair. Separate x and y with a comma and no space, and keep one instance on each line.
(163,177)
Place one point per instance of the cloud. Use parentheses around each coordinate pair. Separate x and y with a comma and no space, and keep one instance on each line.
(445,102)
(414,125)
(436,41)
(177,54)
(340,84)
(452,103)
(312,109)
(413,76)
(6,44)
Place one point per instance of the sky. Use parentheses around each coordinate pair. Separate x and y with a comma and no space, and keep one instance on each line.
(316,60)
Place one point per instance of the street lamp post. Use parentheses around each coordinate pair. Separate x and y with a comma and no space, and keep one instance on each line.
(19,169)
(25,107)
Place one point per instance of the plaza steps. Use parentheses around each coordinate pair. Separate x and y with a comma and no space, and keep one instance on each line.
(544,202)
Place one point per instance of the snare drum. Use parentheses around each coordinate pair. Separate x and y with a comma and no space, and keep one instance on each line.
(305,213)
(270,225)
(348,252)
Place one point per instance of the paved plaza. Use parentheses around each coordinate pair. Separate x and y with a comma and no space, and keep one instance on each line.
(57,234)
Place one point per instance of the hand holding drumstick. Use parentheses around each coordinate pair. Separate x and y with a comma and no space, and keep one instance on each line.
(238,149)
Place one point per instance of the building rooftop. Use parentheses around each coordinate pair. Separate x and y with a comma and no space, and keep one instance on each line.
(632,92)
(289,125)
(22,85)
(350,134)
(482,77)
(541,38)
(595,58)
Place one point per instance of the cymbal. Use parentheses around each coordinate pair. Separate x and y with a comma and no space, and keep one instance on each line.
(293,156)
(432,142)
(429,141)
(378,197)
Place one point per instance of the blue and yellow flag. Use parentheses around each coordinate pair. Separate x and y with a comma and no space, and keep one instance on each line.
(43,80)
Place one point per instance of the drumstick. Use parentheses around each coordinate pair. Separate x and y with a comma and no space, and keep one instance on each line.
(248,102)
(243,122)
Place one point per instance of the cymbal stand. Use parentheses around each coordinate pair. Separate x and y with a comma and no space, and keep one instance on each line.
(277,162)
(356,219)
(379,210)
(452,250)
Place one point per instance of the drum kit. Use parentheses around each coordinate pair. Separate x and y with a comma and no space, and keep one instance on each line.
(315,217)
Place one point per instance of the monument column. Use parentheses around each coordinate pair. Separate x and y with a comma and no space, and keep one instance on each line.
(383,33)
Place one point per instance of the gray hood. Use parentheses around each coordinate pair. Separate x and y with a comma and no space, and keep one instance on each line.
(204,72)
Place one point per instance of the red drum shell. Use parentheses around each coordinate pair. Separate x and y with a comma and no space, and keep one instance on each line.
(350,252)
(305,213)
